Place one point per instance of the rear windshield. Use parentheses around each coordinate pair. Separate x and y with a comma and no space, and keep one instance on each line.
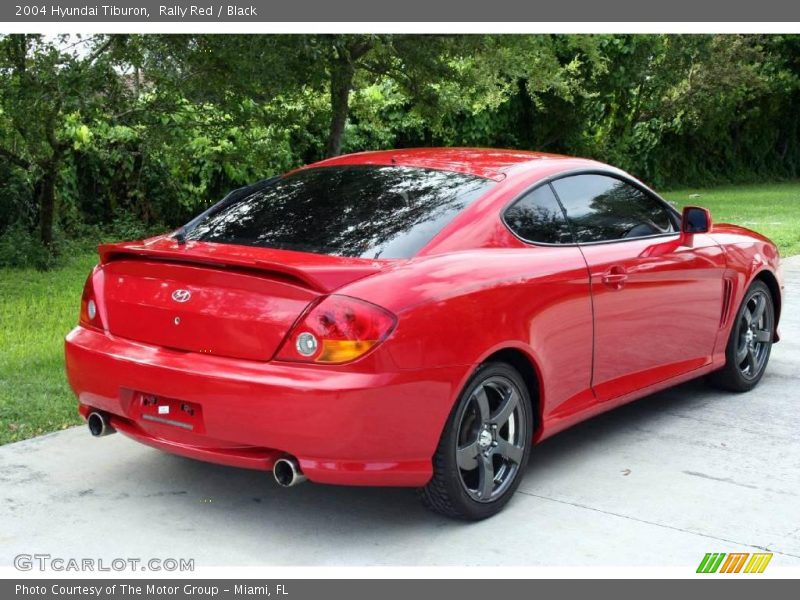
(358,211)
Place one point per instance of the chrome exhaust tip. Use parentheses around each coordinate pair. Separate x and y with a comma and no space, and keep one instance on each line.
(99,425)
(287,472)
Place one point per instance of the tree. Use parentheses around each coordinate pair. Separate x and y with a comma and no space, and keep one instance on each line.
(434,73)
(156,127)
(48,88)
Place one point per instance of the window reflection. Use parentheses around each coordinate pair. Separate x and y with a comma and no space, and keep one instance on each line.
(537,217)
(605,208)
(359,211)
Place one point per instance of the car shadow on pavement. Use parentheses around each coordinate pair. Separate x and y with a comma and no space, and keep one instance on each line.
(251,500)
(606,428)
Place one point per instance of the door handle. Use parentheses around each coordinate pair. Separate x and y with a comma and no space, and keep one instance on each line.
(615,277)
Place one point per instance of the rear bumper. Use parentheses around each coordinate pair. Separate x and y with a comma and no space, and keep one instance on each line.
(344,426)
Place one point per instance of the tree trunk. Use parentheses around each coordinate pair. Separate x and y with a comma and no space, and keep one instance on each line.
(342,71)
(47,202)
(50,166)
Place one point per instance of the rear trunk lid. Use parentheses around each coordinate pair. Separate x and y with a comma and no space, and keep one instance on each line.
(219,299)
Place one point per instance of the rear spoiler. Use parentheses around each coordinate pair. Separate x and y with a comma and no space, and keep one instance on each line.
(318,272)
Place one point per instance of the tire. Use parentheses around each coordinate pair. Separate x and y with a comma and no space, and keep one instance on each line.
(750,342)
(490,427)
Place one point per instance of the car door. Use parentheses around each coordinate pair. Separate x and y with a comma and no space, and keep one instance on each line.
(657,301)
(561,326)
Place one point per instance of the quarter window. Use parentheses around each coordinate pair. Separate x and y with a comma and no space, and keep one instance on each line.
(602,208)
(537,217)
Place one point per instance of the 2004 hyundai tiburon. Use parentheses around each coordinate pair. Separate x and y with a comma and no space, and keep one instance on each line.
(416,318)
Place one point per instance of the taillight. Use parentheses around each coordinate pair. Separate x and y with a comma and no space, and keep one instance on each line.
(337,330)
(90,314)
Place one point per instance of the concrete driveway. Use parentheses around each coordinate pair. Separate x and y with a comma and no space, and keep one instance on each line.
(658,482)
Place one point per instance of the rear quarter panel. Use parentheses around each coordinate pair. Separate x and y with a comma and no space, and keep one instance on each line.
(459,308)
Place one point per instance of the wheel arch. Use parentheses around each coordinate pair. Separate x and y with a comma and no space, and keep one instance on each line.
(529,371)
(769,279)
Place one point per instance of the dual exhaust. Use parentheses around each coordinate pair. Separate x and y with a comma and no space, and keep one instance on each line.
(286,470)
(99,425)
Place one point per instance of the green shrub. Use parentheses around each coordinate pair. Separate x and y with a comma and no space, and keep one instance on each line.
(21,248)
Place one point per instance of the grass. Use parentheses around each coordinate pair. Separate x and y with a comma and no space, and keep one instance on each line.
(38,308)
(771,209)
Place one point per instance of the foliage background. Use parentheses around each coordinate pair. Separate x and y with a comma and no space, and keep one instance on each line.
(116,136)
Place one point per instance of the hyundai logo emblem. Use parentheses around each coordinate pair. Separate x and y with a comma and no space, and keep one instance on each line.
(181,295)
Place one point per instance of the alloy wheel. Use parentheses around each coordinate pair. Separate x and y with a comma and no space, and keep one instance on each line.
(492,438)
(754,336)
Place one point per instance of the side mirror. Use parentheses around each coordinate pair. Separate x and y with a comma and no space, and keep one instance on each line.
(695,220)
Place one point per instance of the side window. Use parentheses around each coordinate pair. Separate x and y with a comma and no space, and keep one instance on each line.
(602,208)
(537,217)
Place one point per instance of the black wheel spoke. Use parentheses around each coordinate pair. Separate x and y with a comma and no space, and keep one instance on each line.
(485,476)
(741,353)
(752,362)
(467,456)
(509,451)
(482,400)
(758,310)
(506,408)
(747,316)
(763,336)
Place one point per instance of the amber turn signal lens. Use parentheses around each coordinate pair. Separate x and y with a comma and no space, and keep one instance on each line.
(339,351)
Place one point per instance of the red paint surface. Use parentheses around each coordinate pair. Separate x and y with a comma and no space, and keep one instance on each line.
(600,325)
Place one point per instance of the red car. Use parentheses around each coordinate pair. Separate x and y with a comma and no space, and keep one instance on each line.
(416,318)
